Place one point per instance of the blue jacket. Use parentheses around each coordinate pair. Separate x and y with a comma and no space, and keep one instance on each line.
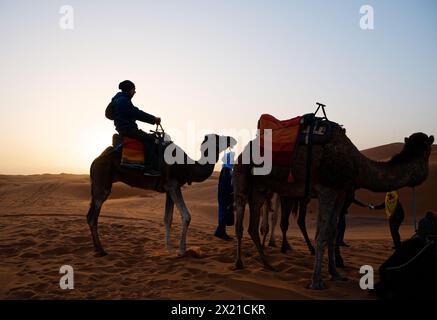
(125,114)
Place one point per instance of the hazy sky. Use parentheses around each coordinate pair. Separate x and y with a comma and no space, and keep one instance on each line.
(209,65)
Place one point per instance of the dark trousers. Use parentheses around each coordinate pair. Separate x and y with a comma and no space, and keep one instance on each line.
(148,141)
(222,217)
(395,222)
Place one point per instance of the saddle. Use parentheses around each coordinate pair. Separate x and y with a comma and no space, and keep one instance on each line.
(306,130)
(286,134)
(132,151)
(320,128)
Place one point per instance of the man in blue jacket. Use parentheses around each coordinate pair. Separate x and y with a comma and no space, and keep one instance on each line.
(124,114)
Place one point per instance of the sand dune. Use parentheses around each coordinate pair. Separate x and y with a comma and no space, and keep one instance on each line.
(43,226)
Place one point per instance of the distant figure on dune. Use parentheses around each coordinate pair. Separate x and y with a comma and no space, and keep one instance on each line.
(124,114)
(395,215)
(225,197)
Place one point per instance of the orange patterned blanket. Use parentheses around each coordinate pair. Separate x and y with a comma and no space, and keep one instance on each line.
(133,152)
(284,138)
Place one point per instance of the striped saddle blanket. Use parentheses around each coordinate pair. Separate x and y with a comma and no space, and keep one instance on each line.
(284,138)
(132,153)
(287,134)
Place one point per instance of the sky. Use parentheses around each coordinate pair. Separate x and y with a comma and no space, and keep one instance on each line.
(208,66)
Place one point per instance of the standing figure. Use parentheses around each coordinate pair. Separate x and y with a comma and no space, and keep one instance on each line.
(395,215)
(225,197)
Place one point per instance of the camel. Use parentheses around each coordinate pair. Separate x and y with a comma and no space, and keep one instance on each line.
(106,169)
(297,207)
(337,169)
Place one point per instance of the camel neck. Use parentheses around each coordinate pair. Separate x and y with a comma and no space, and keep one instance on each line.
(201,172)
(203,168)
(381,176)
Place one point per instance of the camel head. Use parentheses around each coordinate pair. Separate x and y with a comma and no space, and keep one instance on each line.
(416,150)
(417,146)
(217,143)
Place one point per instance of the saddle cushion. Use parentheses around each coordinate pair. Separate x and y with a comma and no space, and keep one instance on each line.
(284,138)
(133,152)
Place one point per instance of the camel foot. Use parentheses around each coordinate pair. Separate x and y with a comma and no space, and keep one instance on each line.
(100,253)
(286,247)
(312,251)
(272,243)
(239,264)
(317,285)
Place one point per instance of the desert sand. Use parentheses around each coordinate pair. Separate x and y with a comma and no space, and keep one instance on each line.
(43,226)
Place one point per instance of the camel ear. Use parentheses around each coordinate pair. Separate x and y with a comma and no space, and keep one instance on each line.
(406,140)
(431,140)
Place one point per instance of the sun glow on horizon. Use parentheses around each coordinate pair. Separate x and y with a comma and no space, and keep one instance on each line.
(217,65)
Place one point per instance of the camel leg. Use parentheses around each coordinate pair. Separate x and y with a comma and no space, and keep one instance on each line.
(333,223)
(327,204)
(265,223)
(240,203)
(254,214)
(168,219)
(93,217)
(302,225)
(176,196)
(275,214)
(286,206)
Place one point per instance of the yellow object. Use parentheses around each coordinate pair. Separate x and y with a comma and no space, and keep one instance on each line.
(391,202)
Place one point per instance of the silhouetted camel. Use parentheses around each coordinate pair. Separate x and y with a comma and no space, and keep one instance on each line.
(106,169)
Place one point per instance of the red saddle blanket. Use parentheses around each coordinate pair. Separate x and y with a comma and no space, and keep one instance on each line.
(284,138)
(133,152)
